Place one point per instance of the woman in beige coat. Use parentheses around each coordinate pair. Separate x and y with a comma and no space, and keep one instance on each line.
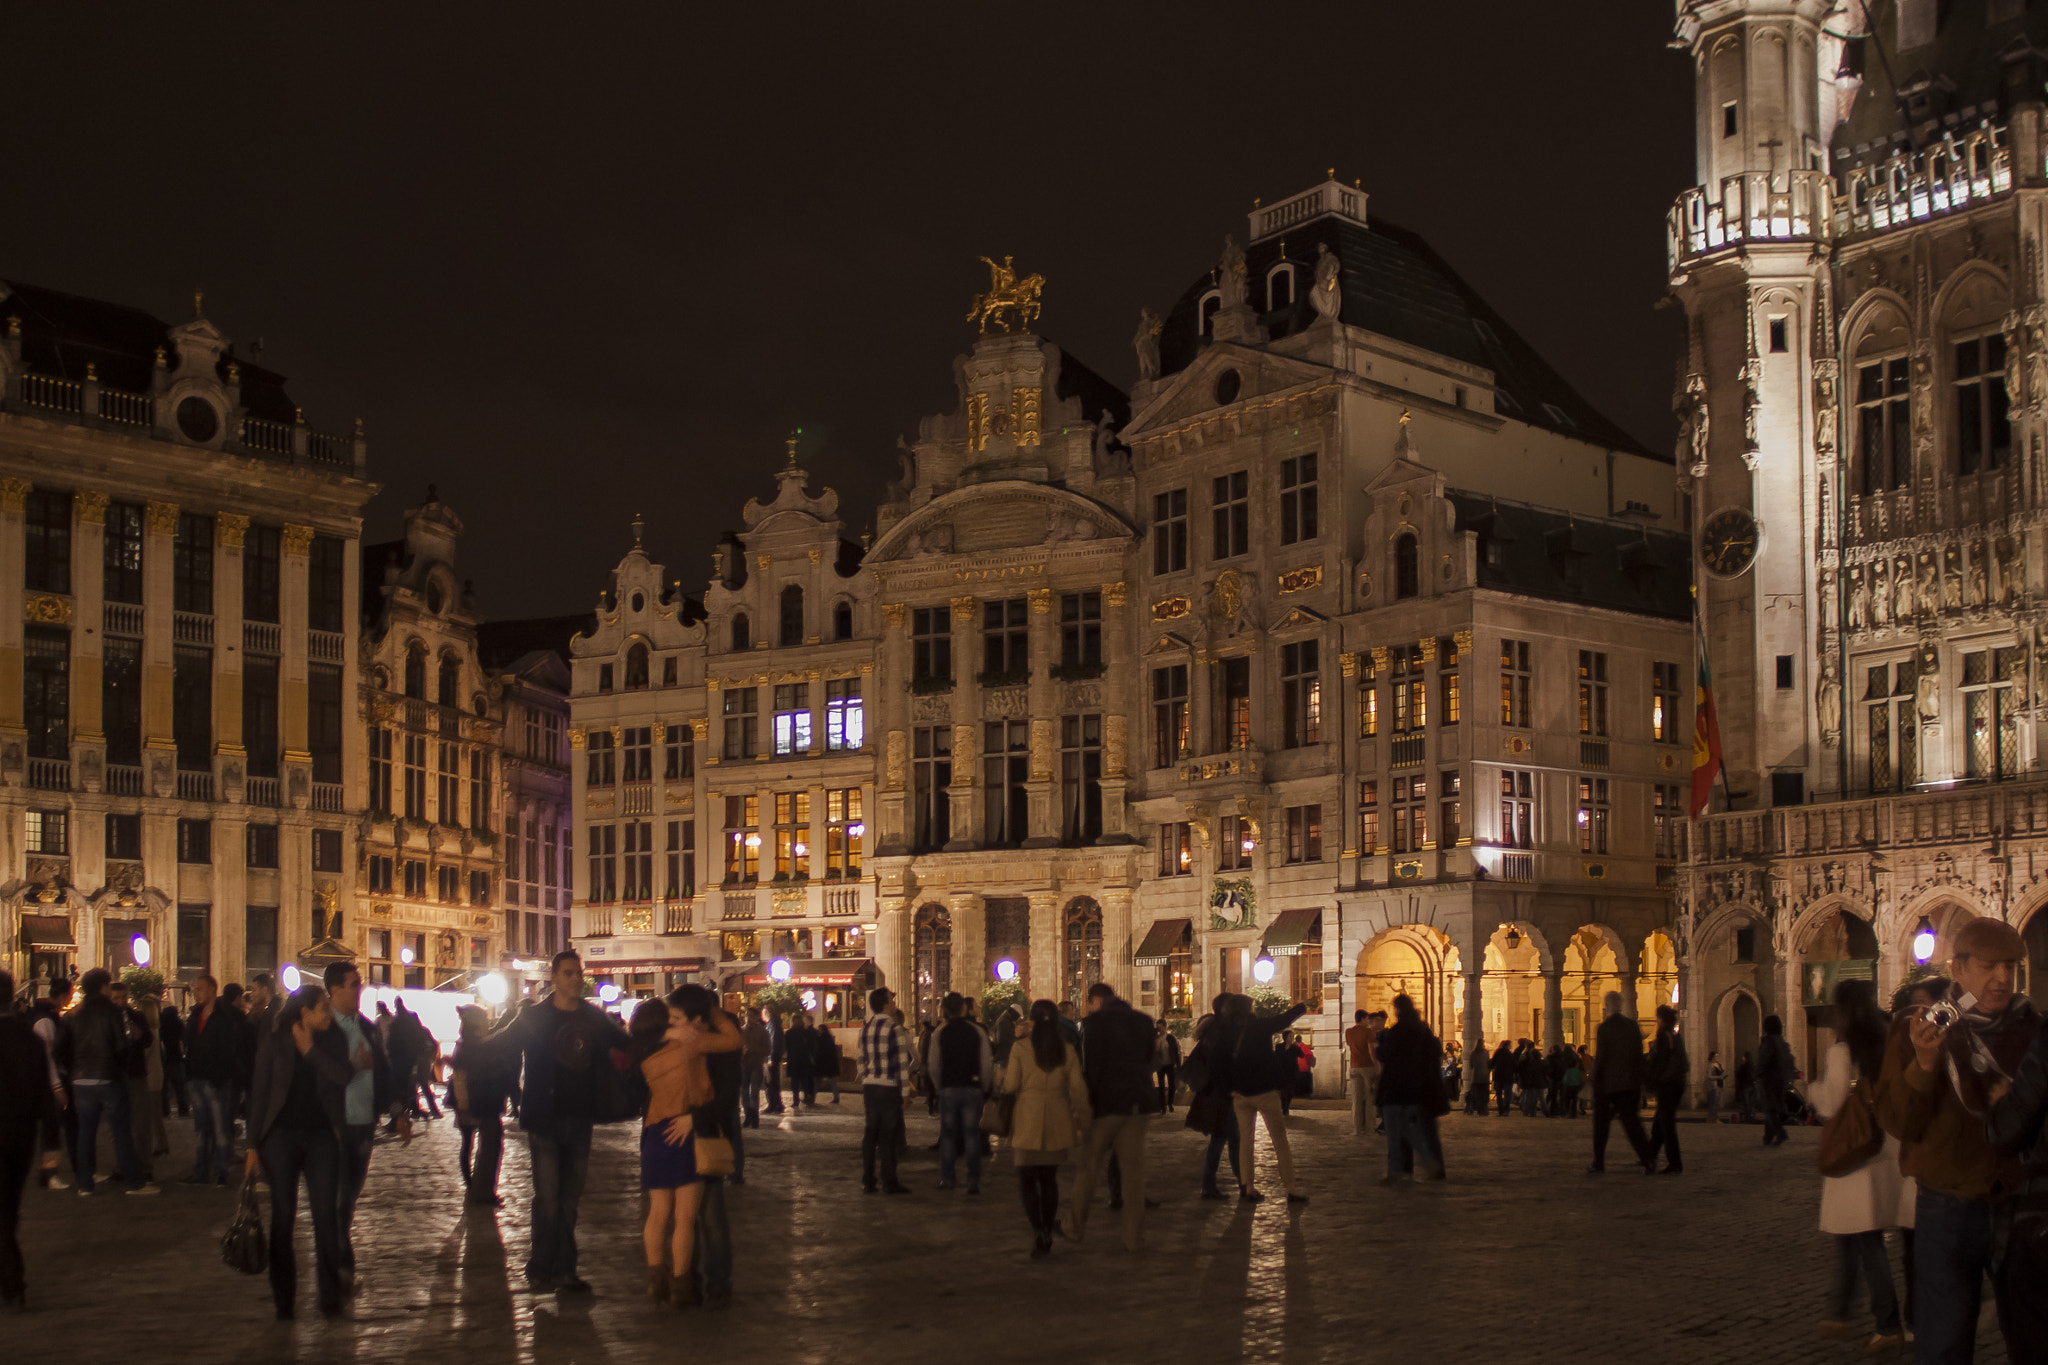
(1857,1206)
(1051,1116)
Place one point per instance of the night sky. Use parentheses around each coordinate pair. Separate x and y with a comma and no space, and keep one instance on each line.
(571,262)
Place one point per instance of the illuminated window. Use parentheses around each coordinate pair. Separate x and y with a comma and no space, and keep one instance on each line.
(1176,850)
(742,840)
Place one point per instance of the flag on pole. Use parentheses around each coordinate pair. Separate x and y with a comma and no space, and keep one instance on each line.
(1706,733)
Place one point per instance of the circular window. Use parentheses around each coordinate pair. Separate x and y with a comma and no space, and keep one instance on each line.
(434,598)
(639,602)
(198,420)
(1227,385)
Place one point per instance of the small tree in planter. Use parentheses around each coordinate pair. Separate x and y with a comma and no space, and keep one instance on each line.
(998,996)
(786,1000)
(142,981)
(1268,1000)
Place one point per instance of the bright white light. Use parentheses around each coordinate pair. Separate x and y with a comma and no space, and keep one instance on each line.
(405,956)
(779,969)
(1006,970)
(753,841)
(810,1000)
(1263,969)
(290,976)
(856,829)
(139,950)
(802,850)
(1923,945)
(608,993)
(493,989)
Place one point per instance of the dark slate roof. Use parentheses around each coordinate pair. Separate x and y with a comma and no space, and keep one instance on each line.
(1098,396)
(61,333)
(1394,284)
(500,644)
(1594,562)
(1981,66)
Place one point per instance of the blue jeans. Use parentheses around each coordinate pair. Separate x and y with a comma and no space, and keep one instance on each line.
(1408,1140)
(713,1256)
(1951,1254)
(750,1094)
(110,1098)
(1861,1255)
(884,1127)
(960,1126)
(1217,1142)
(560,1157)
(357,1139)
(213,1123)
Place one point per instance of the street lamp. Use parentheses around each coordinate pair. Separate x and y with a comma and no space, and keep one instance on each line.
(1006,970)
(1923,940)
(779,969)
(1263,969)
(291,978)
(405,956)
(493,989)
(138,949)
(609,993)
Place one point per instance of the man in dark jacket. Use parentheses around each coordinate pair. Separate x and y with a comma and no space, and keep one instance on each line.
(1774,1070)
(569,1084)
(800,1046)
(1116,1059)
(171,1036)
(217,1039)
(962,1068)
(1410,1088)
(60,1134)
(1670,1071)
(1256,1074)
(1618,1086)
(368,1094)
(1502,1068)
(30,1094)
(713,1257)
(96,1046)
(1533,1075)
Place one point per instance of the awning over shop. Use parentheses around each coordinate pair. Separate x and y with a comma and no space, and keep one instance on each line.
(1161,939)
(1291,930)
(47,932)
(834,971)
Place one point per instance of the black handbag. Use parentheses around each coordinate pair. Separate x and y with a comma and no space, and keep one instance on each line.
(244,1246)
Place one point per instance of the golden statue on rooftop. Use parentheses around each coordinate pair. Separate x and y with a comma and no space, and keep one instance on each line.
(1008,298)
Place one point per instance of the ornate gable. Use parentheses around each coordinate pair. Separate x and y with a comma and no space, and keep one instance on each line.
(1231,383)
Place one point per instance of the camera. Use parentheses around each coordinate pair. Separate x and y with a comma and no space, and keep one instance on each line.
(1942,1014)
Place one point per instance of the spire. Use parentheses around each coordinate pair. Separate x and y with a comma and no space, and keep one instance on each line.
(198,302)
(639,530)
(794,434)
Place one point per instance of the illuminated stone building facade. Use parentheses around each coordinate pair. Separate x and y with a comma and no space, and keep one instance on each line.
(1865,373)
(177,608)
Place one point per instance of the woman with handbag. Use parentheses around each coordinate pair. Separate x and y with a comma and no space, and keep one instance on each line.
(1862,1192)
(671,1039)
(297,1108)
(1051,1115)
(1207,1075)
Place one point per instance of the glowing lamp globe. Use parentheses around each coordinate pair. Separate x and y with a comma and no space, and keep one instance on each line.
(405,956)
(291,978)
(493,989)
(608,993)
(1923,940)
(779,969)
(1006,970)
(1263,969)
(139,950)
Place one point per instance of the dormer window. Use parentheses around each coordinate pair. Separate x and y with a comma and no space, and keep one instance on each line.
(1407,567)
(742,632)
(1280,287)
(416,673)
(636,666)
(449,691)
(792,616)
(842,621)
(1212,303)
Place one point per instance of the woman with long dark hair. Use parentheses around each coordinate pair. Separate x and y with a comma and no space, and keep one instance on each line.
(1051,1116)
(1857,1207)
(296,1112)
(670,1040)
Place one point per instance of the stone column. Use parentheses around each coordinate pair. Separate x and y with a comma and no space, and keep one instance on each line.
(1472,1035)
(1117,944)
(1045,979)
(227,918)
(88,609)
(970,945)
(293,700)
(966,729)
(1202,720)
(893,716)
(892,952)
(1553,1008)
(231,760)
(1044,709)
(13,585)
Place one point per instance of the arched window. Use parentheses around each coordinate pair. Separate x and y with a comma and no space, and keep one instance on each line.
(1211,305)
(448,689)
(1280,288)
(792,616)
(1083,949)
(742,633)
(636,665)
(416,673)
(842,621)
(933,945)
(1407,574)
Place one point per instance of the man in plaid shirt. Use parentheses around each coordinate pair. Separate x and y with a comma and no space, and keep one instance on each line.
(888,1062)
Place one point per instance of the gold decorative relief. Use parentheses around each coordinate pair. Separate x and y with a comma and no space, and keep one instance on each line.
(1348,662)
(977,421)
(1041,601)
(1379,659)
(1464,641)
(162,517)
(1426,647)
(1171,608)
(963,609)
(699,728)
(579,739)
(1227,598)
(298,540)
(92,507)
(14,494)
(46,609)
(1299,580)
(1113,594)
(895,614)
(231,527)
(1024,406)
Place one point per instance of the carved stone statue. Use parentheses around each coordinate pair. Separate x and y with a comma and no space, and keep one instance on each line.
(1697,421)
(1232,278)
(1927,688)
(1824,420)
(2016,674)
(1976,584)
(1146,343)
(1827,599)
(1857,600)
(1828,700)
(1930,583)
(1328,297)
(1951,578)
(1880,596)
(1902,591)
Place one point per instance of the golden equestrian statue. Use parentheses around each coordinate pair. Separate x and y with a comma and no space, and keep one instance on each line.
(1006,295)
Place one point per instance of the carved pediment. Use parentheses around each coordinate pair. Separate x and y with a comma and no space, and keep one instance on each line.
(1007,514)
(1205,389)
(1170,643)
(1301,617)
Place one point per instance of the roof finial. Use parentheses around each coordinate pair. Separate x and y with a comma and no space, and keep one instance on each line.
(198,302)
(1406,417)
(1404,447)
(794,433)
(639,529)
(1332,172)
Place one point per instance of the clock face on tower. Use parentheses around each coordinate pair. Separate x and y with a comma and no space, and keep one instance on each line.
(1728,542)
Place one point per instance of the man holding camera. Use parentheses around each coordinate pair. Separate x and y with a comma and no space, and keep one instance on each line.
(1940,1066)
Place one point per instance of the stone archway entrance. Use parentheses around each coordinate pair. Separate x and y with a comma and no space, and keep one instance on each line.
(1419,962)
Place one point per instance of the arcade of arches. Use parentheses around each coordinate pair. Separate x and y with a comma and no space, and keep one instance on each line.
(1517,998)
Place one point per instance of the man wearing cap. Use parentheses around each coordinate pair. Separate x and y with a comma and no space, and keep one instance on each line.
(1932,1094)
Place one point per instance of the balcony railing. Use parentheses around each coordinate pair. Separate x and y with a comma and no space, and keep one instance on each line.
(272,438)
(327,797)
(1593,754)
(123,619)
(191,628)
(48,391)
(1756,206)
(1967,166)
(597,921)
(194,785)
(133,409)
(675,917)
(262,637)
(1408,751)
(260,791)
(636,798)
(50,774)
(90,401)
(1857,825)
(123,780)
(1518,867)
(842,900)
(739,906)
(324,646)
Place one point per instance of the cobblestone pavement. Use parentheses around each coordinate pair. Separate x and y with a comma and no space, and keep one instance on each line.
(1518,1257)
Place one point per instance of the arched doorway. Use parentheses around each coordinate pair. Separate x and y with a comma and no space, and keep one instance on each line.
(1511,987)
(1838,946)
(932,947)
(1745,1030)
(1945,919)
(1082,938)
(1590,969)
(1656,975)
(1416,961)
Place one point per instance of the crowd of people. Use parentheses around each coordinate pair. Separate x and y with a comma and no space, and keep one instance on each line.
(1935,1114)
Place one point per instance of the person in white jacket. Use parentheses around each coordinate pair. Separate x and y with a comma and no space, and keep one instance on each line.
(1856,1208)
